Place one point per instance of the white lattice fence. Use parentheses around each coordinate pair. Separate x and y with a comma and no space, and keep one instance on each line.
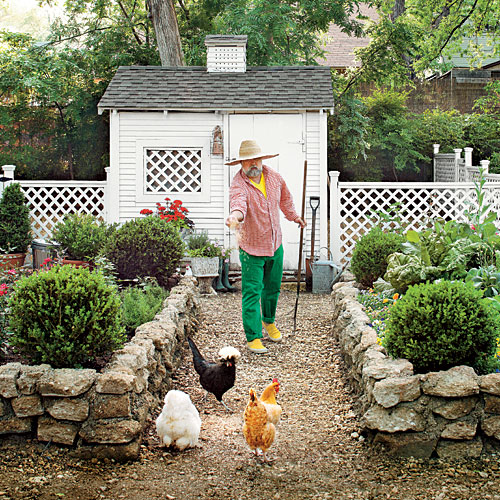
(445,168)
(353,205)
(49,201)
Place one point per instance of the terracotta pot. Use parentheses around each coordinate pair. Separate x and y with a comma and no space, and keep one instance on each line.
(76,263)
(10,260)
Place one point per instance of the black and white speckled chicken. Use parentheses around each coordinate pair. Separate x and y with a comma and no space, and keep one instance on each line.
(216,377)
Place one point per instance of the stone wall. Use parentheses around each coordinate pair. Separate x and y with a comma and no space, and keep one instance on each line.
(101,414)
(451,414)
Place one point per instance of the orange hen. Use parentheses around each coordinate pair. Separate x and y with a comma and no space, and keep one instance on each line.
(268,399)
(258,432)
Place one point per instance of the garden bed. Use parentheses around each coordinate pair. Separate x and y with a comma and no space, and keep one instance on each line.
(101,414)
(451,414)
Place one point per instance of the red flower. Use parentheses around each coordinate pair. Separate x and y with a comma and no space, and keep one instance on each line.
(146,211)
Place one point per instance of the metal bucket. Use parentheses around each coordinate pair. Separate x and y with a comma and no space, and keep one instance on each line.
(324,273)
(42,250)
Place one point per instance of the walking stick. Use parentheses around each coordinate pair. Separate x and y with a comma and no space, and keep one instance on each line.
(299,268)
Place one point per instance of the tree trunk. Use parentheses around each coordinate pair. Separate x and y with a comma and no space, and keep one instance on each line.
(167,32)
(398,9)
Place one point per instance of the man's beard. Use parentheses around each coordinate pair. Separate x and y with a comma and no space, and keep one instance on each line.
(253,172)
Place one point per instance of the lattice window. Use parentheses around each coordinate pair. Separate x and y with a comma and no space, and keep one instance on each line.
(173,171)
(50,203)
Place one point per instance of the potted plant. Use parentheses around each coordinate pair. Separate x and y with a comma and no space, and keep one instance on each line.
(81,238)
(204,255)
(15,227)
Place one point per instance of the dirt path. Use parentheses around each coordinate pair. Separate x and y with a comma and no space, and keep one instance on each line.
(317,451)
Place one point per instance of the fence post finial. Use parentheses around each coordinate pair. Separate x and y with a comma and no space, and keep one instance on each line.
(8,172)
(436,148)
(485,165)
(468,157)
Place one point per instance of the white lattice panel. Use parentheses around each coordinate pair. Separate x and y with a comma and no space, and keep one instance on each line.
(446,168)
(420,205)
(50,201)
(173,171)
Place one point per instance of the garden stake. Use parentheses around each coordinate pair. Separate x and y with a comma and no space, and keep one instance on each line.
(299,268)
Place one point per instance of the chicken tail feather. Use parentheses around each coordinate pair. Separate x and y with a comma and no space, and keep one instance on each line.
(198,360)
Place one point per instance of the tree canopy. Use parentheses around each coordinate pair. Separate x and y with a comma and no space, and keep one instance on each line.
(49,88)
(414,37)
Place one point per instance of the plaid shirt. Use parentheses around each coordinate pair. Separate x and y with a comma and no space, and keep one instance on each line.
(260,232)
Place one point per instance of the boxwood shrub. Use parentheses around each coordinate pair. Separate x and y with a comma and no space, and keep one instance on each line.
(440,325)
(65,317)
(369,258)
(149,247)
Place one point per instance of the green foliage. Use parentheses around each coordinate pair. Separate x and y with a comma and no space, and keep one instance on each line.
(200,245)
(390,219)
(439,325)
(376,138)
(414,36)
(140,304)
(15,224)
(149,247)
(65,316)
(482,132)
(444,251)
(486,279)
(436,126)
(82,235)
(391,136)
(8,279)
(369,259)
(281,33)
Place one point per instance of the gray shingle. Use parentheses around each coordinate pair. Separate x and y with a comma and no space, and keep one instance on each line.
(271,87)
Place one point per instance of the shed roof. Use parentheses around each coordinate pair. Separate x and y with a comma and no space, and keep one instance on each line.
(185,88)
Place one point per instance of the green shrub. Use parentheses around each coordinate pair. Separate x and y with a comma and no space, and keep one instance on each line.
(81,236)
(200,245)
(145,247)
(140,304)
(15,224)
(369,259)
(443,324)
(65,316)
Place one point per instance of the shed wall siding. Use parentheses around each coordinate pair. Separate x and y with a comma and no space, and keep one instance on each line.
(137,127)
(314,178)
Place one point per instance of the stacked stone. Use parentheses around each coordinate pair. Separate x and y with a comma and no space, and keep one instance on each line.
(101,414)
(452,414)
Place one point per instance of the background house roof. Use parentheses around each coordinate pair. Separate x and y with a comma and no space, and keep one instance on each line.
(272,87)
(339,46)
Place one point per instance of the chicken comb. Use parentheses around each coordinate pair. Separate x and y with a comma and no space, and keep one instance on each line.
(275,380)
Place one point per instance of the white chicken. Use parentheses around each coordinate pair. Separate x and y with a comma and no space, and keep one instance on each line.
(179,422)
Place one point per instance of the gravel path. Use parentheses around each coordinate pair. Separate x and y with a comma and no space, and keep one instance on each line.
(318,451)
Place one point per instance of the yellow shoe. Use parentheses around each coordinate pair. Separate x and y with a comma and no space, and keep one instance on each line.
(256,346)
(273,332)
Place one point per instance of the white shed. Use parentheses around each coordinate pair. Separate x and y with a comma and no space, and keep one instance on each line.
(172,129)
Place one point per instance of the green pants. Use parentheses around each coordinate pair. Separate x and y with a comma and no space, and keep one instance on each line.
(260,288)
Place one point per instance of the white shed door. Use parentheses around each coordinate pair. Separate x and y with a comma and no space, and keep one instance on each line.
(283,134)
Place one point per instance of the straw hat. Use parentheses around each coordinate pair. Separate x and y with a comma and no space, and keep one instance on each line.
(250,150)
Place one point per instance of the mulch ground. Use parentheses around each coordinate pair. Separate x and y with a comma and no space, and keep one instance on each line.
(319,451)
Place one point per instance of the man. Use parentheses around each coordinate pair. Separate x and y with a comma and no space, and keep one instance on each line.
(257,195)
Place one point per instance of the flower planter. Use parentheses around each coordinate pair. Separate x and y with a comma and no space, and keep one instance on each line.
(76,263)
(205,266)
(10,260)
